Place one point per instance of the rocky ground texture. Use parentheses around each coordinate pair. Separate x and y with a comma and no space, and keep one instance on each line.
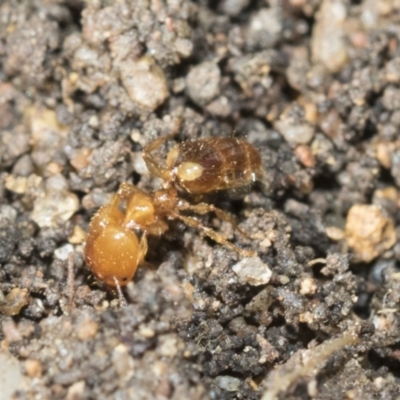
(315,87)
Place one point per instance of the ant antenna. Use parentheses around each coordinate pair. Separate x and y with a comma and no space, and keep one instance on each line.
(70,280)
(122,300)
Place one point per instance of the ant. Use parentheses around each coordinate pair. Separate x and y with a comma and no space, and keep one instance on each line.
(113,250)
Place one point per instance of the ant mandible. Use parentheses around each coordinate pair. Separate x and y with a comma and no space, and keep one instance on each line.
(113,250)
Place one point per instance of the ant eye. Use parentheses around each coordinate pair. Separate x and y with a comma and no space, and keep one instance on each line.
(124,278)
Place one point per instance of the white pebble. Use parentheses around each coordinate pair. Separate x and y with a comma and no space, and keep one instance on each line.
(253,271)
(294,132)
(62,252)
(228,383)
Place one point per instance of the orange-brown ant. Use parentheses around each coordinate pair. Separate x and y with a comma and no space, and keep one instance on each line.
(113,250)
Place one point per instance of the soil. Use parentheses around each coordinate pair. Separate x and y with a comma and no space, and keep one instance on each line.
(315,87)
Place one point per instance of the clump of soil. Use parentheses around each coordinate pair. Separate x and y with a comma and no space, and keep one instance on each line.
(313,85)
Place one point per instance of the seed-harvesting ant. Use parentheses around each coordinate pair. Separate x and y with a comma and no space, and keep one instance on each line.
(114,251)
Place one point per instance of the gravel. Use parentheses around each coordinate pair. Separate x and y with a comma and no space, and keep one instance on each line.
(313,85)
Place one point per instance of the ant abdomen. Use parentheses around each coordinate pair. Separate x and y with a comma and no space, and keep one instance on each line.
(212,164)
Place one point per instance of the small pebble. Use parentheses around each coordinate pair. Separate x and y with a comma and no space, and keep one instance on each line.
(11,331)
(8,212)
(253,271)
(168,346)
(268,352)
(122,361)
(228,383)
(233,7)
(202,82)
(14,302)
(75,391)
(48,137)
(334,233)
(16,184)
(183,47)
(145,82)
(261,301)
(78,235)
(87,329)
(369,233)
(146,332)
(384,153)
(33,368)
(62,252)
(328,43)
(54,206)
(265,28)
(304,155)
(308,286)
(294,132)
(81,159)
(10,375)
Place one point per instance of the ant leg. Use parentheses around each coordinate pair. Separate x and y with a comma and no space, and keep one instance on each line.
(143,251)
(141,254)
(204,208)
(155,168)
(155,144)
(70,281)
(217,237)
(126,190)
(154,165)
(157,228)
(142,248)
(121,298)
(124,193)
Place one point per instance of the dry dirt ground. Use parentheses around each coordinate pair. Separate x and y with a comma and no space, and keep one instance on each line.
(315,87)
